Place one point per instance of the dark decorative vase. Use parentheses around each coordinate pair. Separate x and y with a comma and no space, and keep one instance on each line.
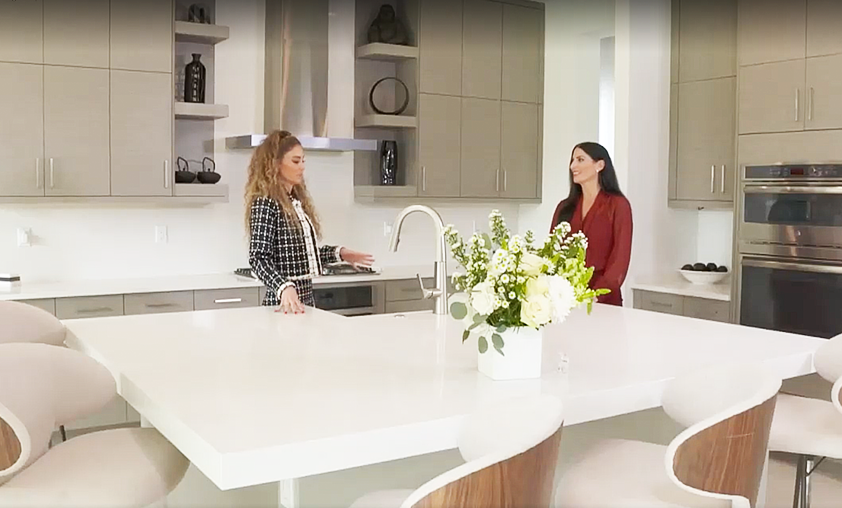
(194,80)
(389,163)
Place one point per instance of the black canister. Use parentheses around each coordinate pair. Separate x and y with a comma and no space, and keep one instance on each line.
(389,163)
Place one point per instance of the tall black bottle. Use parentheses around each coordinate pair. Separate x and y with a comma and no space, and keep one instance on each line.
(389,163)
(194,80)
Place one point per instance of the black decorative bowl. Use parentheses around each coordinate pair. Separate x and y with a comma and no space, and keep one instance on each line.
(185,177)
(208,177)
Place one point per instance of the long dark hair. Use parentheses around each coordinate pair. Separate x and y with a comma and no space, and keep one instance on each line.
(607,179)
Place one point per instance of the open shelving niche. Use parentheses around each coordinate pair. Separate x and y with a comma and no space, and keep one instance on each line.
(194,122)
(375,61)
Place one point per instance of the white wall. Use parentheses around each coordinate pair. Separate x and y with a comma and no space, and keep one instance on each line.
(663,238)
(571,95)
(715,237)
(88,241)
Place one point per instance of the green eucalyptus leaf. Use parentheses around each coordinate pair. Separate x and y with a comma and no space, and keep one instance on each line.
(465,335)
(482,344)
(501,328)
(497,340)
(499,350)
(458,310)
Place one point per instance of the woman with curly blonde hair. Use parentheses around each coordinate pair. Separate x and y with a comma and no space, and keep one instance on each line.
(283,227)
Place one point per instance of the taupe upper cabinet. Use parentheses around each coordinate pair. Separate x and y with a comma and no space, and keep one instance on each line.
(771,30)
(77,33)
(141,134)
(22,131)
(440,48)
(439,145)
(76,139)
(21,31)
(480,150)
(142,35)
(523,28)
(824,36)
(824,93)
(707,39)
(705,154)
(482,49)
(772,97)
(519,147)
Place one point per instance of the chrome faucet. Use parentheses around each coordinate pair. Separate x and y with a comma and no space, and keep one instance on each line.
(440,266)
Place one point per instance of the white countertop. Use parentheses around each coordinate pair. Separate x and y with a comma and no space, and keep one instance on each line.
(252,396)
(675,284)
(65,289)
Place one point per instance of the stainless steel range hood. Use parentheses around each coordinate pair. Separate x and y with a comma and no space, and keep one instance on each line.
(296,78)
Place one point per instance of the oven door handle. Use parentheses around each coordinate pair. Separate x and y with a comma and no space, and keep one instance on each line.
(795,267)
(800,189)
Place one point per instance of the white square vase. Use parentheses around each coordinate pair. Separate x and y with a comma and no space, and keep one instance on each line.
(521,358)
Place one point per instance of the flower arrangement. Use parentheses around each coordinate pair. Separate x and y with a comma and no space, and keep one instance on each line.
(511,283)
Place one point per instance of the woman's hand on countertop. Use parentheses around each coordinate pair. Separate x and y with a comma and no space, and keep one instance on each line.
(290,302)
(356,258)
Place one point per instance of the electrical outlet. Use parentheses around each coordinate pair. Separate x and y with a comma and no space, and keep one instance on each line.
(387,228)
(161,234)
(24,237)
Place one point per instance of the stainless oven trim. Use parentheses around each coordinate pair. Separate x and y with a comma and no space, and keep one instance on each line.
(792,189)
(780,164)
(792,266)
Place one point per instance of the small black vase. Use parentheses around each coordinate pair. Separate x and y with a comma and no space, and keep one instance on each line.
(194,80)
(389,163)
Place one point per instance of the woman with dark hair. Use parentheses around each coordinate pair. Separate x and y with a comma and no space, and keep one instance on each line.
(598,208)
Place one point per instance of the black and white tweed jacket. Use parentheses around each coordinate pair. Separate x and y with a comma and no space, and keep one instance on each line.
(278,251)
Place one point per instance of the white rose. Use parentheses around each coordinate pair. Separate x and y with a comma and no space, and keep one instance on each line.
(538,286)
(563,297)
(532,264)
(536,311)
(483,298)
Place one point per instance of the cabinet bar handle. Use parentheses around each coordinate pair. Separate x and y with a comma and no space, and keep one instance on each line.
(37,175)
(505,180)
(97,309)
(796,104)
(166,174)
(159,305)
(52,173)
(424,178)
(228,300)
(811,99)
(722,183)
(712,178)
(497,180)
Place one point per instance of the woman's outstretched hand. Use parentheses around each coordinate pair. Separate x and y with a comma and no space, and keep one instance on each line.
(290,304)
(356,258)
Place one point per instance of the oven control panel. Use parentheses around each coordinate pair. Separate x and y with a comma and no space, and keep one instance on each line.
(793,171)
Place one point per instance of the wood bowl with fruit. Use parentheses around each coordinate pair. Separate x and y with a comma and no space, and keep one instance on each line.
(701,273)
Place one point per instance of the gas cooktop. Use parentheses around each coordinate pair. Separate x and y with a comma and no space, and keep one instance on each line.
(334,269)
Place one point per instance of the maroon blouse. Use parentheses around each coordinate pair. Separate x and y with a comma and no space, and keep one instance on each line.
(608,227)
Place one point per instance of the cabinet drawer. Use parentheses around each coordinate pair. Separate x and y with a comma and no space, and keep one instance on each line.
(226,298)
(89,306)
(406,289)
(659,302)
(409,306)
(47,304)
(156,303)
(711,310)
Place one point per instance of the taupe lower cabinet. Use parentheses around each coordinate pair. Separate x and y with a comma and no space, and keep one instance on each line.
(706,130)
(699,308)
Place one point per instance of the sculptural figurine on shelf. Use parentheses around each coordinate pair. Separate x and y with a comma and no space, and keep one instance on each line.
(387,28)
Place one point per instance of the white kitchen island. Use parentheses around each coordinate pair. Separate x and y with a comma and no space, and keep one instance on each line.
(252,396)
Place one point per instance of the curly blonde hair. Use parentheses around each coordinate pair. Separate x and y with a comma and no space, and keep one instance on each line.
(264,180)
